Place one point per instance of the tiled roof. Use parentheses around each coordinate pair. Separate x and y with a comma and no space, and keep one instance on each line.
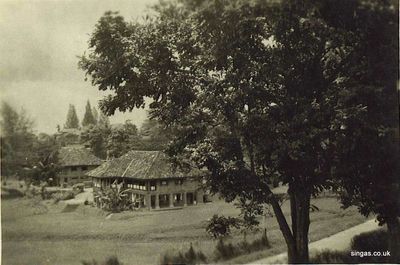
(77,155)
(140,165)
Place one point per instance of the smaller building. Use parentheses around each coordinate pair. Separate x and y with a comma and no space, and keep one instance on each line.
(75,161)
(152,182)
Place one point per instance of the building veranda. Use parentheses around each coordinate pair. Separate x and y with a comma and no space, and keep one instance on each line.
(149,180)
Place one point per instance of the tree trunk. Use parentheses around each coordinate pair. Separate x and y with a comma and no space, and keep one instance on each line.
(393,225)
(302,226)
(285,229)
(300,215)
(297,239)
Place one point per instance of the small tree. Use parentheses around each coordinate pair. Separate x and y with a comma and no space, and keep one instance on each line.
(95,115)
(96,138)
(72,118)
(88,118)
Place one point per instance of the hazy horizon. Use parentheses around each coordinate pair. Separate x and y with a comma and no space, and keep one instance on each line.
(39,57)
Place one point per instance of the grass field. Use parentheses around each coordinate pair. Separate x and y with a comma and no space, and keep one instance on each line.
(41,232)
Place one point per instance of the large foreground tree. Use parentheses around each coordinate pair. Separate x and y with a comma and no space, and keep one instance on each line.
(253,91)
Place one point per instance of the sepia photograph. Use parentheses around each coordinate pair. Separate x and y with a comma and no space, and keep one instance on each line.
(183,132)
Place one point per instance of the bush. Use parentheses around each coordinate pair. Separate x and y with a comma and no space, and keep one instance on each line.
(364,244)
(114,199)
(62,196)
(79,187)
(329,257)
(225,251)
(109,261)
(371,241)
(261,243)
(9,193)
(220,226)
(189,257)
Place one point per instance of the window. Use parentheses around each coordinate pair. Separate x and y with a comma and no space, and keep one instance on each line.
(65,180)
(74,168)
(153,185)
(84,167)
(179,182)
(164,182)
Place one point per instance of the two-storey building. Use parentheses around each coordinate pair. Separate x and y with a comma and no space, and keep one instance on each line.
(75,161)
(150,179)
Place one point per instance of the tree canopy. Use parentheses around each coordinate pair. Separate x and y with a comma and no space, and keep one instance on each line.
(17,140)
(72,118)
(88,118)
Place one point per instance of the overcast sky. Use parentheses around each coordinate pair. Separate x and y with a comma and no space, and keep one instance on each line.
(40,42)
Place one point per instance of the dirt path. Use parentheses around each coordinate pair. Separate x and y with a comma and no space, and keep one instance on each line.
(82,197)
(340,241)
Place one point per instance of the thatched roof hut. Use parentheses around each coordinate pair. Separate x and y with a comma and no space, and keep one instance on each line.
(145,165)
(77,155)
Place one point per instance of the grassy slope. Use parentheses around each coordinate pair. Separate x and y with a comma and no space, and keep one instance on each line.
(32,235)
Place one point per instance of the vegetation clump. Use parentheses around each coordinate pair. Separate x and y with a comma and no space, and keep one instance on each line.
(220,226)
(188,257)
(225,251)
(362,248)
(113,260)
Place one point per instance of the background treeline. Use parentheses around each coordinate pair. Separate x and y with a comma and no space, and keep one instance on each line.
(25,153)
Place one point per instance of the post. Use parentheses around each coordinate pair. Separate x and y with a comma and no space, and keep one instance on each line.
(148,201)
(199,197)
(157,201)
(184,199)
(171,200)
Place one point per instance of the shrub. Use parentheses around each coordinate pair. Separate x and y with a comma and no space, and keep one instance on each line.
(371,241)
(224,251)
(329,257)
(114,199)
(9,193)
(261,243)
(79,187)
(227,251)
(109,261)
(62,196)
(366,242)
(220,226)
(244,246)
(189,257)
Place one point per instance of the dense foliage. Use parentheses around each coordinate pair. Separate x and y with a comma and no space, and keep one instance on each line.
(259,90)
